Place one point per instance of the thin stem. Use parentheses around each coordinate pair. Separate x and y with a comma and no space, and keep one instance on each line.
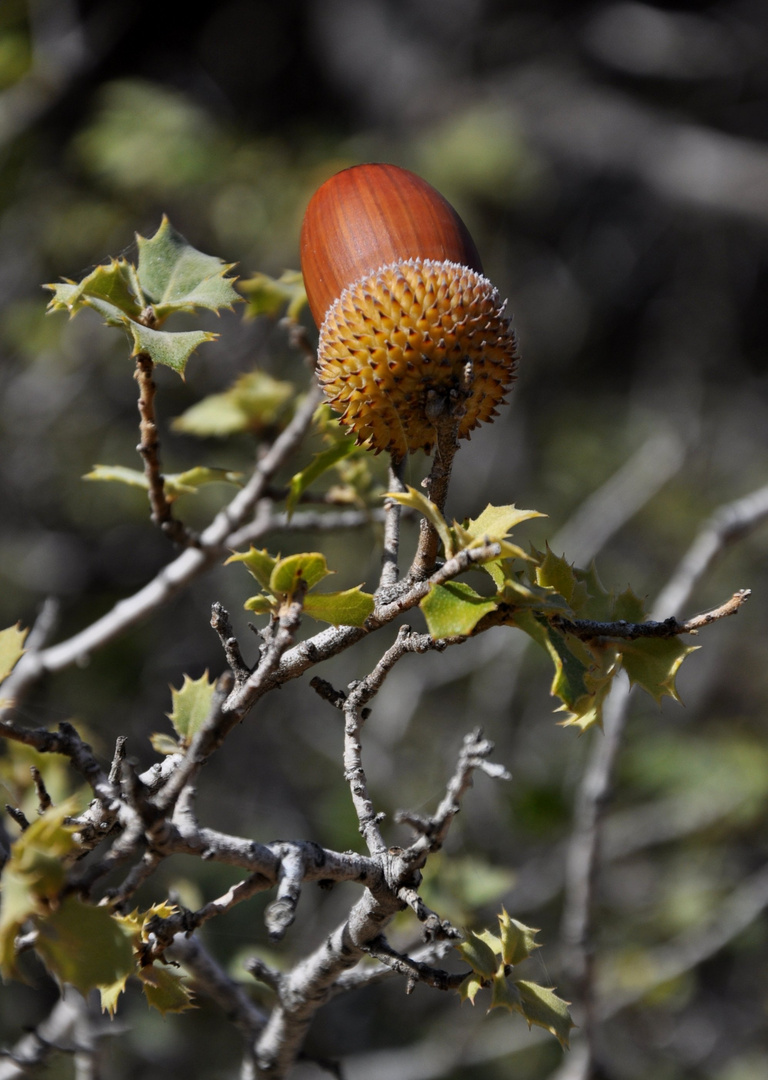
(392,509)
(149,448)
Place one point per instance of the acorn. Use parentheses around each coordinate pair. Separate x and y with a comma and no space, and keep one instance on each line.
(410,329)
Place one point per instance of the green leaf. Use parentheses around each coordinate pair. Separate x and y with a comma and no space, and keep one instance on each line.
(504,994)
(164,744)
(479,955)
(17,906)
(110,995)
(84,945)
(164,990)
(517,942)
(470,988)
(495,523)
(174,484)
(173,350)
(261,604)
(191,705)
(349,608)
(555,573)
(544,1008)
(258,563)
(454,609)
(11,648)
(320,463)
(416,501)
(268,296)
(309,567)
(255,403)
(490,940)
(175,276)
(653,663)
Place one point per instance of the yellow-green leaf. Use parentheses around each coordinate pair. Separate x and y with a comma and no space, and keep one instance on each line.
(470,988)
(454,609)
(171,349)
(416,501)
(309,567)
(164,990)
(174,484)
(255,403)
(555,573)
(11,648)
(653,663)
(258,563)
(261,604)
(504,994)
(320,463)
(349,608)
(544,1008)
(84,945)
(191,705)
(164,744)
(517,942)
(479,955)
(268,296)
(495,523)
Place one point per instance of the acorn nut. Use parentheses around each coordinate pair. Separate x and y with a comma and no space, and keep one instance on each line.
(409,326)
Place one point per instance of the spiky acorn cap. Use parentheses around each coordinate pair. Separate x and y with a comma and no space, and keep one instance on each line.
(409,326)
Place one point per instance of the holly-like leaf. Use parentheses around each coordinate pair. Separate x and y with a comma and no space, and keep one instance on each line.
(164,990)
(259,564)
(653,663)
(111,289)
(266,295)
(471,987)
(171,349)
(11,649)
(110,995)
(504,994)
(495,523)
(174,484)
(171,276)
(191,706)
(255,403)
(84,945)
(479,955)
(164,744)
(261,604)
(555,573)
(349,608)
(454,609)
(416,501)
(174,276)
(309,567)
(113,283)
(320,463)
(544,1008)
(19,903)
(517,942)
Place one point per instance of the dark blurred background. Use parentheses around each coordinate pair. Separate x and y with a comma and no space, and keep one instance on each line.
(610,160)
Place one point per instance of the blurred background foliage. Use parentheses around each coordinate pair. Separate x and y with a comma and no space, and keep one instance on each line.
(610,160)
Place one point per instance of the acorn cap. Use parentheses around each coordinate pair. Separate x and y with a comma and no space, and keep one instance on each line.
(409,325)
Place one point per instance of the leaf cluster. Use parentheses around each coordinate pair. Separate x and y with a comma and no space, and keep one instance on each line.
(87,946)
(492,958)
(282,581)
(169,277)
(542,597)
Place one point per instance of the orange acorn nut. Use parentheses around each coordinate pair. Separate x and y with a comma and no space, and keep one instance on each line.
(408,323)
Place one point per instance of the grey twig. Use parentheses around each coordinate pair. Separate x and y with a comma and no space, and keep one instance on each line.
(392,513)
(730,522)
